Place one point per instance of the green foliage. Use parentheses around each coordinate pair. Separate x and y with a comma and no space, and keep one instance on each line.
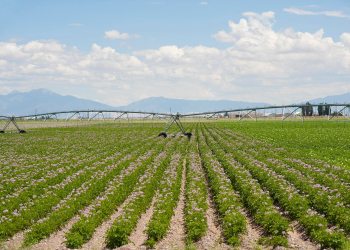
(169,188)
(196,195)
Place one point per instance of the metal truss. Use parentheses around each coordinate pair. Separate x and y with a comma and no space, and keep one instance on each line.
(338,112)
(50,116)
(97,113)
(174,119)
(75,113)
(13,121)
(167,118)
(247,114)
(211,116)
(291,113)
(127,117)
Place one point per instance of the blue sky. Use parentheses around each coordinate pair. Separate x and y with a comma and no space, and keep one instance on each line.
(151,25)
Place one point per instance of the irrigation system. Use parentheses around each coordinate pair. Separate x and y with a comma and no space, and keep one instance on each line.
(175,119)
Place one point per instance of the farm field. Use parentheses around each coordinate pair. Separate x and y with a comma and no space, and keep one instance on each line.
(231,186)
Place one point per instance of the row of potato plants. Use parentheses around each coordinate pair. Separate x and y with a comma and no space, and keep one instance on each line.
(329,144)
(169,189)
(288,197)
(196,195)
(80,198)
(47,168)
(323,199)
(256,199)
(54,184)
(37,207)
(333,177)
(139,200)
(104,205)
(321,166)
(226,199)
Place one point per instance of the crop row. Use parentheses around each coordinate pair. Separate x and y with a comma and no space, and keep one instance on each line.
(104,205)
(326,201)
(169,189)
(39,207)
(255,198)
(139,200)
(196,195)
(287,196)
(227,200)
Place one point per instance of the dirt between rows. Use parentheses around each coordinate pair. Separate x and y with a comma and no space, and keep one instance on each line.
(176,236)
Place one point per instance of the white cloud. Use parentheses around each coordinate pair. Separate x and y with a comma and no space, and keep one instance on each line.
(115,34)
(76,24)
(263,16)
(345,39)
(260,64)
(307,12)
(14,40)
(203,3)
(4,90)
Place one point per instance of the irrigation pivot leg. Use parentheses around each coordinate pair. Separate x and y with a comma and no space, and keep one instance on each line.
(12,119)
(174,119)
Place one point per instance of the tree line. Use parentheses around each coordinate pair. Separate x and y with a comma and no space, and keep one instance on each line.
(323,109)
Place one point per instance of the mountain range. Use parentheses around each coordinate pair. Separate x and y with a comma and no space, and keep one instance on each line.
(43,101)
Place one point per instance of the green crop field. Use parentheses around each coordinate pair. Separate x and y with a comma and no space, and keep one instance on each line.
(244,185)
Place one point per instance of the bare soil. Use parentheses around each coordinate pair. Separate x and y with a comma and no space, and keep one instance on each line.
(138,237)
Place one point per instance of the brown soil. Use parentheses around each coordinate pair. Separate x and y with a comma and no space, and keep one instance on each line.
(251,237)
(97,241)
(213,238)
(55,241)
(13,243)
(299,240)
(138,237)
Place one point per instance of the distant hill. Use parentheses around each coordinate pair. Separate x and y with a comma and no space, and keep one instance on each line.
(163,105)
(344,98)
(43,101)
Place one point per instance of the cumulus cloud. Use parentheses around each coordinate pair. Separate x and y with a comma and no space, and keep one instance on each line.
(14,40)
(115,34)
(263,16)
(260,64)
(345,39)
(307,12)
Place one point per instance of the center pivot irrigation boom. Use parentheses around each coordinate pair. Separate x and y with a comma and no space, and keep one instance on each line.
(171,119)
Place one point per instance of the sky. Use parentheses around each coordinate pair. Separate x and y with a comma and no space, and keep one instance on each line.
(117,52)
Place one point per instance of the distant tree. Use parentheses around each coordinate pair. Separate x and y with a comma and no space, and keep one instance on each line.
(327,110)
(321,109)
(308,110)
